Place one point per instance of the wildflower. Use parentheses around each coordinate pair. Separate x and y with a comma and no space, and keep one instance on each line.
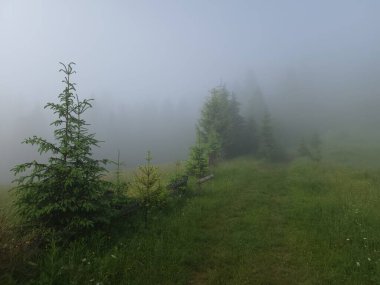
(84,259)
(113,256)
(347,239)
(369,259)
(357,263)
(364,238)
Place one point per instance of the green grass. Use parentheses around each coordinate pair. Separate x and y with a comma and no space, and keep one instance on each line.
(255,223)
(5,199)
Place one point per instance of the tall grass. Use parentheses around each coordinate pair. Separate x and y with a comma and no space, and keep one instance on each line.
(5,197)
(255,223)
(336,215)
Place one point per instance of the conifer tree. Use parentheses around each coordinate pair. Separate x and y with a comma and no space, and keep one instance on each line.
(148,186)
(213,148)
(119,185)
(251,136)
(197,165)
(220,119)
(237,137)
(214,122)
(268,148)
(67,194)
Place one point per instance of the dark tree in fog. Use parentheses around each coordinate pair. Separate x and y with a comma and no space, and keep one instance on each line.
(220,119)
(268,147)
(251,142)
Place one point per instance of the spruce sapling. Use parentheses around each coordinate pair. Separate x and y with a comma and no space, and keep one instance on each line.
(67,194)
(148,185)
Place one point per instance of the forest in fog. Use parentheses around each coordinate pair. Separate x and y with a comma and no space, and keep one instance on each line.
(150,68)
(189,142)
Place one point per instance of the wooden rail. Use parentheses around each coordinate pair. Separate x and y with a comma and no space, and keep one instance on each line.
(206,178)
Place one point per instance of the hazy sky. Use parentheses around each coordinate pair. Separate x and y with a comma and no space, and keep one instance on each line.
(134,56)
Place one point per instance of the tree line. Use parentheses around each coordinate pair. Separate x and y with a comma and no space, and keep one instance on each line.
(69,195)
(223,133)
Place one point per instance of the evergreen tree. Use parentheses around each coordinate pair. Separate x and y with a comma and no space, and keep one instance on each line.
(197,165)
(119,186)
(213,148)
(147,183)
(220,119)
(214,121)
(268,148)
(236,135)
(66,194)
(251,136)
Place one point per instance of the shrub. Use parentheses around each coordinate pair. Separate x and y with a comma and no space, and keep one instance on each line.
(178,181)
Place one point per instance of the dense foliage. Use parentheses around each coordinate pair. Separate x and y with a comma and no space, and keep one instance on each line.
(221,125)
(197,164)
(67,194)
(226,134)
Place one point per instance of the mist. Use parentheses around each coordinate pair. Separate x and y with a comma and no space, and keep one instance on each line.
(149,66)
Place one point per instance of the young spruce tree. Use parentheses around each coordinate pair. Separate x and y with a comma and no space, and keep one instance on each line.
(148,186)
(67,194)
(220,119)
(197,164)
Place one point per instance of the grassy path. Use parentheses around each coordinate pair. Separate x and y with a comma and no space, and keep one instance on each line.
(248,229)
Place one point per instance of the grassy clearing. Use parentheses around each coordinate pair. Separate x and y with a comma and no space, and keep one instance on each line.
(303,223)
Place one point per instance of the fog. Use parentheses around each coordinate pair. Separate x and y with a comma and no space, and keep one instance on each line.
(149,65)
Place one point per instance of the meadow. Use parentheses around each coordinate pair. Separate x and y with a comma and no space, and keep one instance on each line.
(255,223)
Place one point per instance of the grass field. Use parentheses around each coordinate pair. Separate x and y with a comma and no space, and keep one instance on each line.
(4,196)
(255,223)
